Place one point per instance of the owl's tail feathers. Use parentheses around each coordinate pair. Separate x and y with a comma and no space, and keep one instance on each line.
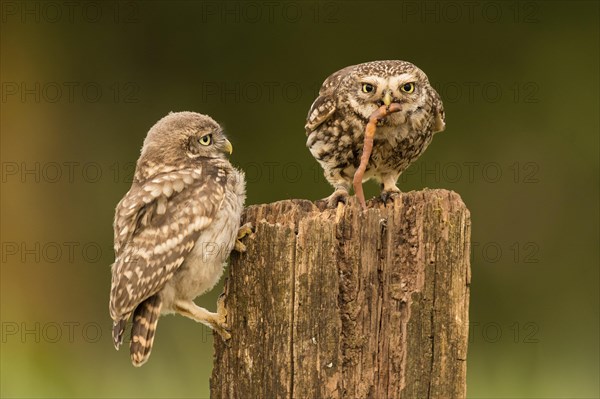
(145,319)
(118,331)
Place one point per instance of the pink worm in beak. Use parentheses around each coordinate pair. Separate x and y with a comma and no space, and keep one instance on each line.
(379,114)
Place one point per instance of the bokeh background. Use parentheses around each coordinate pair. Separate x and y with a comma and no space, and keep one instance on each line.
(83,82)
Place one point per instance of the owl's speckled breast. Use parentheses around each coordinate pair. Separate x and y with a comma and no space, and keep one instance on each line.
(205,264)
(395,146)
(395,153)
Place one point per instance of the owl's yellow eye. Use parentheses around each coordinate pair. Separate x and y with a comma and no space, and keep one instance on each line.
(368,88)
(205,140)
(408,88)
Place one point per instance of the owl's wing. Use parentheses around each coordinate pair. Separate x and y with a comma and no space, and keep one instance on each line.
(439,116)
(321,110)
(325,104)
(156,226)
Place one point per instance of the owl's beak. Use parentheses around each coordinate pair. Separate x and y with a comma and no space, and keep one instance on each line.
(228,147)
(387,98)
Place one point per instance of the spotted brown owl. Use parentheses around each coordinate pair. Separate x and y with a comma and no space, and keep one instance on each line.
(336,123)
(174,229)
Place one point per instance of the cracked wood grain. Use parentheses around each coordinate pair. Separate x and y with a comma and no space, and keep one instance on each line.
(345,303)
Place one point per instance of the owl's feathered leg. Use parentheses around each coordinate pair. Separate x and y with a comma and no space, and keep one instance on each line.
(340,183)
(216,321)
(145,319)
(388,187)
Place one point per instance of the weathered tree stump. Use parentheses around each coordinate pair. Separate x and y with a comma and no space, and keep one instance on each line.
(345,303)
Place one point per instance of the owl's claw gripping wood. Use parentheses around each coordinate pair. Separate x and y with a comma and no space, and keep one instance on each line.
(222,327)
(244,231)
(374,119)
(388,195)
(339,195)
(216,321)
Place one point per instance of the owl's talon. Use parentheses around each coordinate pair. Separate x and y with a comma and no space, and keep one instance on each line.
(389,195)
(339,195)
(221,326)
(239,247)
(224,333)
(221,309)
(243,232)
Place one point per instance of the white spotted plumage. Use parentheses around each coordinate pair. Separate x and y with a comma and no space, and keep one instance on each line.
(184,196)
(336,122)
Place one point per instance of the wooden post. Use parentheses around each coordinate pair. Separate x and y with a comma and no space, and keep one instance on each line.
(344,303)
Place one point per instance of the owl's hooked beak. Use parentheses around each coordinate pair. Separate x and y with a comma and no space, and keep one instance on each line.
(387,98)
(228,147)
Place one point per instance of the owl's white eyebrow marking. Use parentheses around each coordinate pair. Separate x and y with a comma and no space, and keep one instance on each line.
(374,80)
(403,78)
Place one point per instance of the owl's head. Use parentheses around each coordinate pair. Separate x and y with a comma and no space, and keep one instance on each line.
(182,136)
(373,84)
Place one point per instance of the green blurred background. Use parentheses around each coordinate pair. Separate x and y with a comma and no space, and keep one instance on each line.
(83,82)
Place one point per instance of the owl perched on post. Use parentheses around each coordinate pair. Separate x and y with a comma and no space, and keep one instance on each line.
(174,229)
(336,123)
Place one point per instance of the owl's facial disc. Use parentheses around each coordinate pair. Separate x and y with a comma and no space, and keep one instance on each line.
(377,91)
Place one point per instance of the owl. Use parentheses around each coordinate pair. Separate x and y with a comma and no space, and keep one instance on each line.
(174,229)
(336,123)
